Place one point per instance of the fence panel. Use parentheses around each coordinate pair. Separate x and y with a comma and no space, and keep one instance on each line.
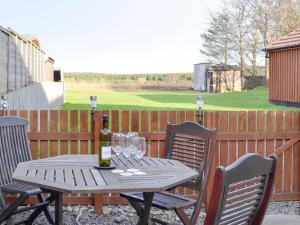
(62,132)
(296,155)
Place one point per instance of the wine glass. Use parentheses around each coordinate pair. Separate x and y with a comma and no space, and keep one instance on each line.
(140,152)
(126,152)
(132,136)
(116,139)
(133,148)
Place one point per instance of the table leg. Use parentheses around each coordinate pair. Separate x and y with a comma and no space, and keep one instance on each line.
(58,198)
(145,215)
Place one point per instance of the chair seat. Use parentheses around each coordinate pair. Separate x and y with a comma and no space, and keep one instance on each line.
(20,188)
(163,200)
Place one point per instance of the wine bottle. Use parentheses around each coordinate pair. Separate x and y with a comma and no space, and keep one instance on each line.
(105,144)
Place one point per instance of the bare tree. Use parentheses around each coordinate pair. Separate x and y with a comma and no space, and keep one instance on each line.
(289,16)
(242,28)
(265,16)
(253,39)
(254,43)
(216,39)
(274,18)
(239,14)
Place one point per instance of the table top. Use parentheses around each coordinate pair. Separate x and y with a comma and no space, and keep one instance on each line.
(76,174)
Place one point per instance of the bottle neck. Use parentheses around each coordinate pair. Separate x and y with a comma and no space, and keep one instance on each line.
(104,124)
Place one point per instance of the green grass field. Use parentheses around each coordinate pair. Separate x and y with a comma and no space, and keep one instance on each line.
(171,100)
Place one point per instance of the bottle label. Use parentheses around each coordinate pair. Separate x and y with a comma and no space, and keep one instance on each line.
(106,153)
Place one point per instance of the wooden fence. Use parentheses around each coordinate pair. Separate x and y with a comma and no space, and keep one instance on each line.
(55,133)
(22,62)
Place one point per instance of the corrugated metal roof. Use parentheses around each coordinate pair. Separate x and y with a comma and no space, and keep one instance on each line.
(223,67)
(288,41)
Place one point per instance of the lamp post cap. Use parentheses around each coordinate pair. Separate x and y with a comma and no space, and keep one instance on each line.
(200,101)
(93,102)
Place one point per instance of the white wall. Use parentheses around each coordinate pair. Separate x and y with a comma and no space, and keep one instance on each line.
(40,96)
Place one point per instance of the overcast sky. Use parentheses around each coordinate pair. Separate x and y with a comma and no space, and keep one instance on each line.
(114,36)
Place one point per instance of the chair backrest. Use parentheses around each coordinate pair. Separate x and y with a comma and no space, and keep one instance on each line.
(193,145)
(14,146)
(242,191)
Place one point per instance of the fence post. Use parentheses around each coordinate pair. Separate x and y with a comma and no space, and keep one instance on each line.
(96,127)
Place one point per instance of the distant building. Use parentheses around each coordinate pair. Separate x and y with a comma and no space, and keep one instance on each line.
(49,66)
(26,76)
(260,71)
(217,78)
(284,70)
(253,80)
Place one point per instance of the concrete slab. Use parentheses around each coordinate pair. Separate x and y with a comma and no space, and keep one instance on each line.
(282,220)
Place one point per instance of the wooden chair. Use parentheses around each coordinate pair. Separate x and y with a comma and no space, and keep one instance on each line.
(193,145)
(14,148)
(242,191)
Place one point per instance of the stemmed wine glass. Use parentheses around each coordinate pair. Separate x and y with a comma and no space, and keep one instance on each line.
(133,148)
(116,140)
(126,152)
(140,152)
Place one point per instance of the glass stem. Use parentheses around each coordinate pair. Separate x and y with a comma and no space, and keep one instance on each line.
(118,163)
(132,160)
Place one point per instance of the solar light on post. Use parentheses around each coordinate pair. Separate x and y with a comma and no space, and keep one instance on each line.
(200,103)
(93,103)
(4,104)
(93,100)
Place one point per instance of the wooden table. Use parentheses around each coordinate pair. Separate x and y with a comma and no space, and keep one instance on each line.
(76,174)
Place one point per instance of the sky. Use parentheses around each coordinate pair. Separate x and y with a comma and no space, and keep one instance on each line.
(114,36)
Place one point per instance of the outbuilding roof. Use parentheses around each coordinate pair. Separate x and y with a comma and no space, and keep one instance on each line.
(223,67)
(288,41)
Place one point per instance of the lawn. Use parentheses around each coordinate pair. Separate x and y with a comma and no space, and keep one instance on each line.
(171,100)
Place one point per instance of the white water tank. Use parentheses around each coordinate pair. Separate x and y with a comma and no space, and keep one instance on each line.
(200,76)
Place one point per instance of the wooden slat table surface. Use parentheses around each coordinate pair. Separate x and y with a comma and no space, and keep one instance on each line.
(76,174)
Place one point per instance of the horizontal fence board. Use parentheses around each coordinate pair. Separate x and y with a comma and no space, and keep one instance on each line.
(236,136)
(63,136)
(160,136)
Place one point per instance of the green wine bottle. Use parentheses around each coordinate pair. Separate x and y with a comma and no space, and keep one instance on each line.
(105,144)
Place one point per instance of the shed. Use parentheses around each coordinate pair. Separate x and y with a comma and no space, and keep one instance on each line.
(217,77)
(284,70)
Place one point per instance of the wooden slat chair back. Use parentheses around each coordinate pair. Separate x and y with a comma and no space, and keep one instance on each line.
(190,150)
(15,148)
(193,145)
(242,191)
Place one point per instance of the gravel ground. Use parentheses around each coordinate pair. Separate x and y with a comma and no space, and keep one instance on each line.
(284,208)
(125,215)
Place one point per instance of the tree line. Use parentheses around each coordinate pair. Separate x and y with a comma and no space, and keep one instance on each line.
(240,30)
(98,77)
